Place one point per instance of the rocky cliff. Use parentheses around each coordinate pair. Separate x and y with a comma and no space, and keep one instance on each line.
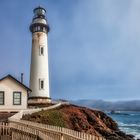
(80,119)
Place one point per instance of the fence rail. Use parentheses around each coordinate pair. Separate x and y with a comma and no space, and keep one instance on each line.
(25,130)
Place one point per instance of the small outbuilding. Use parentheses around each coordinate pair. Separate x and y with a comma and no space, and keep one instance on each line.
(13,94)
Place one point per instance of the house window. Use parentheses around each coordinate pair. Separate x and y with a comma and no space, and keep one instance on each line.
(41,50)
(1,98)
(41,84)
(16,98)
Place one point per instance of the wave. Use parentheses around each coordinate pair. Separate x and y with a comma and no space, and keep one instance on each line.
(134,114)
(128,125)
(133,129)
(117,113)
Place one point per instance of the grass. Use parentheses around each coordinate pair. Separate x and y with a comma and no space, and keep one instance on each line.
(52,117)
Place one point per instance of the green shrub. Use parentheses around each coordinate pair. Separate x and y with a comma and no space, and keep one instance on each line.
(51,117)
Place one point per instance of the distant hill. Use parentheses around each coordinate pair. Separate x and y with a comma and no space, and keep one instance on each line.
(106,105)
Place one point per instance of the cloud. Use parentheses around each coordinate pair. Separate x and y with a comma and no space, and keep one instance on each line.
(99,49)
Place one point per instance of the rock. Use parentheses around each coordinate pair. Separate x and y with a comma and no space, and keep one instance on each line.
(131,136)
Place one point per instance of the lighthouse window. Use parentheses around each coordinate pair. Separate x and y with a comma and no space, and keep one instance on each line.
(41,50)
(34,28)
(44,30)
(41,84)
(41,28)
(38,28)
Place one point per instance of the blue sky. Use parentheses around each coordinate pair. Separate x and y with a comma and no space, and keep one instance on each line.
(94,46)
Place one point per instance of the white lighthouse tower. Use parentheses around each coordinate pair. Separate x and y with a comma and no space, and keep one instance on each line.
(39,72)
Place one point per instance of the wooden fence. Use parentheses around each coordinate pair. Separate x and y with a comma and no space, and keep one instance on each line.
(18,129)
(5,132)
(26,130)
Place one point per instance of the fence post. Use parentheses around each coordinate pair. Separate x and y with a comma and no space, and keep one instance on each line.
(62,138)
(12,135)
(61,134)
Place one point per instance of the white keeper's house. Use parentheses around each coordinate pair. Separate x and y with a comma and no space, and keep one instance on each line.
(14,95)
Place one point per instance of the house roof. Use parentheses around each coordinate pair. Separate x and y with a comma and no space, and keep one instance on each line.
(10,76)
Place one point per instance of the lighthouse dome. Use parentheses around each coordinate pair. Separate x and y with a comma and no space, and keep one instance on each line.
(39,11)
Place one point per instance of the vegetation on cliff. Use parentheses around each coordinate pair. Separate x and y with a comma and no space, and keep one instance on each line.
(80,119)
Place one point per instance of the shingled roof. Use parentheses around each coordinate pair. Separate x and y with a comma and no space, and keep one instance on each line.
(11,77)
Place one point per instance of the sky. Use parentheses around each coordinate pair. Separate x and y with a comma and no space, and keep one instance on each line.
(94,46)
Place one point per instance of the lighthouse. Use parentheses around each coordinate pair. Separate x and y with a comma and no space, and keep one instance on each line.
(39,69)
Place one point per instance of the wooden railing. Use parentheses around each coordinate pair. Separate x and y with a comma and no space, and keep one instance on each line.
(5,132)
(25,130)
(47,132)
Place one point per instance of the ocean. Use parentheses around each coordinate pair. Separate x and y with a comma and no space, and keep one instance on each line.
(129,122)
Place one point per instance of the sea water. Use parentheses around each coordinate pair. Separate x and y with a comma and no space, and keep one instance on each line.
(129,122)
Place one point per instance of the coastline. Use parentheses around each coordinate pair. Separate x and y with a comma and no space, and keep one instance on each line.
(128,122)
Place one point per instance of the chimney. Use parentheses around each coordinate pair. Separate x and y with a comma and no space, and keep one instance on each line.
(22,77)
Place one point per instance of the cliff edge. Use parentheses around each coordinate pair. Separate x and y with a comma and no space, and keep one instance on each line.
(80,119)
